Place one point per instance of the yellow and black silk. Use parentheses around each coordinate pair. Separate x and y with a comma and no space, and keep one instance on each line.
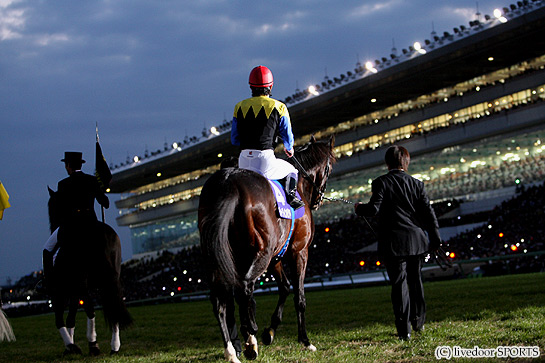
(257,121)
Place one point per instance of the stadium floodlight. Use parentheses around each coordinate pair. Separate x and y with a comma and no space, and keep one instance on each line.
(312,90)
(369,66)
(499,15)
(135,159)
(175,145)
(214,130)
(418,47)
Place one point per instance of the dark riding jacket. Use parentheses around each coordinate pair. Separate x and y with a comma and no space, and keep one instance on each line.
(257,121)
(404,215)
(77,195)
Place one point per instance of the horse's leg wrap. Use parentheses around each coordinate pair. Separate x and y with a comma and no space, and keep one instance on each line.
(230,353)
(91,332)
(66,337)
(115,342)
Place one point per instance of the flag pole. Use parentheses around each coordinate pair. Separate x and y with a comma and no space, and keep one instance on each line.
(101,207)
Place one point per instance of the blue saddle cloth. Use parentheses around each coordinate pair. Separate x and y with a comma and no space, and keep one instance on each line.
(285,211)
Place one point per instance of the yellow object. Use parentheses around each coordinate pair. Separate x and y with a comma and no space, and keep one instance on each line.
(4,197)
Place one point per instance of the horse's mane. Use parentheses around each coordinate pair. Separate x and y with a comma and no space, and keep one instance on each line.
(313,154)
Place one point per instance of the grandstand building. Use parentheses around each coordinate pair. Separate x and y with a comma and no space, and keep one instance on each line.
(468,104)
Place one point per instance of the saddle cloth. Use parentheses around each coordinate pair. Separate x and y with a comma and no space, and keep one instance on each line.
(284,209)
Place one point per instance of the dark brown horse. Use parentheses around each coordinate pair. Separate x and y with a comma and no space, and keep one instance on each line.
(241,234)
(82,266)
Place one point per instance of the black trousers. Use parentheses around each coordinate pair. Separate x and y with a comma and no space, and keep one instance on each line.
(407,292)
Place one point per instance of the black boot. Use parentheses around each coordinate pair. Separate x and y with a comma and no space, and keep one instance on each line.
(291,189)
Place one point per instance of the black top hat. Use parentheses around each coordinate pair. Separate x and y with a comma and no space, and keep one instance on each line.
(73,156)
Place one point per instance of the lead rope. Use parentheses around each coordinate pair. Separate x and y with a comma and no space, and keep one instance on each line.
(440,255)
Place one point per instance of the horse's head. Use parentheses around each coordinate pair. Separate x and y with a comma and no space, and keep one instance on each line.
(317,158)
(53,209)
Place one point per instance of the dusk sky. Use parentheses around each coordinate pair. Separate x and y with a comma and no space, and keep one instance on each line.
(150,72)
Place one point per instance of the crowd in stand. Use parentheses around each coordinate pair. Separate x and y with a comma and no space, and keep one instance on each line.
(514,227)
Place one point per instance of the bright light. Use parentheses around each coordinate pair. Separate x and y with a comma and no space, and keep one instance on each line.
(326,229)
(418,47)
(135,159)
(369,66)
(373,100)
(378,263)
(81,302)
(214,130)
(175,145)
(452,255)
(312,90)
(220,155)
(362,263)
(500,235)
(159,174)
(514,248)
(498,14)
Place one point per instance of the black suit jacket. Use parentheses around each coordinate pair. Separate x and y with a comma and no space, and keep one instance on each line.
(404,214)
(77,197)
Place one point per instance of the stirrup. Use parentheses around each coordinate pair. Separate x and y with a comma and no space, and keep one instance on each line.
(295,202)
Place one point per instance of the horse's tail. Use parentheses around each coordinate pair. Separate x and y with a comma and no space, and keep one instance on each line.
(217,208)
(6,333)
(113,305)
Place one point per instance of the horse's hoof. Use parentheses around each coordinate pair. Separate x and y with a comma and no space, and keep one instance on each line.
(94,350)
(268,336)
(72,349)
(311,347)
(250,351)
(114,352)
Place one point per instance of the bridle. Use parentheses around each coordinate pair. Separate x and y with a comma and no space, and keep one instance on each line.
(319,190)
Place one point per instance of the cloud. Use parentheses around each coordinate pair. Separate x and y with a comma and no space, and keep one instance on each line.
(12,21)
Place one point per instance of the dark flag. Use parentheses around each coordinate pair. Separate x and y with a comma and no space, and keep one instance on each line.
(102,171)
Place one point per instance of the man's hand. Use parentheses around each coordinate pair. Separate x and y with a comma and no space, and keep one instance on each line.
(289,153)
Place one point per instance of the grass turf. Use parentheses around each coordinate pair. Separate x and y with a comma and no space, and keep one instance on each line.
(348,325)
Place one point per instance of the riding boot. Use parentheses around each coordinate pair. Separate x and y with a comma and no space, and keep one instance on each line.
(47,262)
(291,189)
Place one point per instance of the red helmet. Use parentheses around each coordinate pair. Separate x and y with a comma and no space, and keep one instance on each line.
(261,76)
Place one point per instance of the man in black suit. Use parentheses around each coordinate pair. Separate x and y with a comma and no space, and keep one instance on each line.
(404,216)
(78,221)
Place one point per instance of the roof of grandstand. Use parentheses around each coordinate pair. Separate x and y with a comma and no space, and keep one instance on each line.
(451,58)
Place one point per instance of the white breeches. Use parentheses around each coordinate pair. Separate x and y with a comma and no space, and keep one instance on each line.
(51,243)
(265,163)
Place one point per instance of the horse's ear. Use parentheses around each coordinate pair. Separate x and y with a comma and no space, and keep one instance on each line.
(332,141)
(312,139)
(51,192)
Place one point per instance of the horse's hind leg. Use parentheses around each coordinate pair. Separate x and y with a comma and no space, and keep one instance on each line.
(224,310)
(283,291)
(115,343)
(248,325)
(298,271)
(89,308)
(67,335)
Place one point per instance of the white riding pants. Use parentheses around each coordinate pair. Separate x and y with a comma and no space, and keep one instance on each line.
(51,243)
(265,163)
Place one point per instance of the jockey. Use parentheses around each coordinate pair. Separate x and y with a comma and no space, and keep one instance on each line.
(256,123)
(77,195)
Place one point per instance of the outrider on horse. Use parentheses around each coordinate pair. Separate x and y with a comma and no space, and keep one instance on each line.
(81,268)
(242,233)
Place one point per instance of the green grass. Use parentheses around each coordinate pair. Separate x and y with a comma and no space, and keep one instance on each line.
(349,325)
